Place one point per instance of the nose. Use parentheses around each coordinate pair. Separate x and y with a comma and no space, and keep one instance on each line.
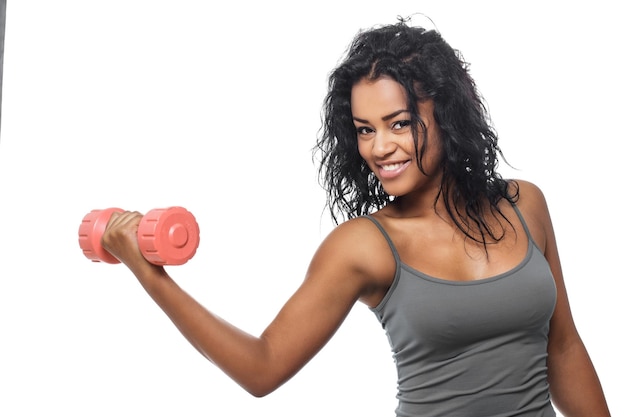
(383,144)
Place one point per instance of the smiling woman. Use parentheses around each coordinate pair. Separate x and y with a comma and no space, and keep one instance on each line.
(437,288)
(429,218)
(385,137)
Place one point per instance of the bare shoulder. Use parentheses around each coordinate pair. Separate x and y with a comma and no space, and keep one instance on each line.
(357,250)
(531,198)
(533,206)
(529,192)
(359,242)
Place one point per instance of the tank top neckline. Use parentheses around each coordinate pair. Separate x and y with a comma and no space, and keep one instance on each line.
(419,274)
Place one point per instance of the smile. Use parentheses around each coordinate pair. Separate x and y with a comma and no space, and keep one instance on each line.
(388,171)
(391,167)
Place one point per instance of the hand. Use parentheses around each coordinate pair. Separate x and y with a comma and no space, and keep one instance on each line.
(120,240)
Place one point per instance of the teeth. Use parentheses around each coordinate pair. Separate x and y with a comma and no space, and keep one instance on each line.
(391,167)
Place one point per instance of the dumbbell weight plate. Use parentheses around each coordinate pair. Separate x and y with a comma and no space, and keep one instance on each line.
(168,236)
(90,233)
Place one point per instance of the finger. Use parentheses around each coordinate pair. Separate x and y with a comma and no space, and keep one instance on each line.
(123,219)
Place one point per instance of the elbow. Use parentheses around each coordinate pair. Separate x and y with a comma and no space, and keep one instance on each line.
(262,385)
(259,393)
(261,389)
(258,373)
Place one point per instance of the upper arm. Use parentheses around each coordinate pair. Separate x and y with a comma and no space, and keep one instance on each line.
(574,385)
(342,270)
(535,209)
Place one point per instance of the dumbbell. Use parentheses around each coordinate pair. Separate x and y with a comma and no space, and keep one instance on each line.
(168,236)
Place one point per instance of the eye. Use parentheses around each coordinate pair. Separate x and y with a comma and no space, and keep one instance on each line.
(363,130)
(400,124)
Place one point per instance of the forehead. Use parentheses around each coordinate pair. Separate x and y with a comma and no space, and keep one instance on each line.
(376,98)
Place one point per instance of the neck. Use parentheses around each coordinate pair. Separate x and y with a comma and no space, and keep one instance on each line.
(419,203)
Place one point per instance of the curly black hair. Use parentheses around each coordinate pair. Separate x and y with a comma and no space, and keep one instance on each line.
(427,67)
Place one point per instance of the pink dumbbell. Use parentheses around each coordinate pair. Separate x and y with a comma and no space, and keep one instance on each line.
(167,236)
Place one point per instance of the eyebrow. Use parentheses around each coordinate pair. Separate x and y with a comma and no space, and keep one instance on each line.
(385,118)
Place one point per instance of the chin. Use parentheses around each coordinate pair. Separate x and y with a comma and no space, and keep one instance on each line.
(394,192)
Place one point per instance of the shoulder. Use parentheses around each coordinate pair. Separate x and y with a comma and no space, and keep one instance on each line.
(531,198)
(527,188)
(357,250)
(534,208)
(358,240)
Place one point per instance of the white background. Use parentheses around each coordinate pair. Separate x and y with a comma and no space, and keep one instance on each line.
(215,106)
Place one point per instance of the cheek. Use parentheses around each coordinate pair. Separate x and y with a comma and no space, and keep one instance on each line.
(408,144)
(433,156)
(366,154)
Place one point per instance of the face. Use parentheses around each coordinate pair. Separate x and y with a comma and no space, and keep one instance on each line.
(385,139)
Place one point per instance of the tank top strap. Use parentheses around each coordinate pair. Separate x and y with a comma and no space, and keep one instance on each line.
(394,251)
(524,225)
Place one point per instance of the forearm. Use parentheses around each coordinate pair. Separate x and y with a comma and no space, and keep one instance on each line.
(240,355)
(574,384)
(259,364)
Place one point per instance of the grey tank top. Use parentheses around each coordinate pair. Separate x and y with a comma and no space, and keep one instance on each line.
(471,348)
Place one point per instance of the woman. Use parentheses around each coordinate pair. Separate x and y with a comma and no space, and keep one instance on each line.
(459,265)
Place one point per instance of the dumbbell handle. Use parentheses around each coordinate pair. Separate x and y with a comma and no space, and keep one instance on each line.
(167,236)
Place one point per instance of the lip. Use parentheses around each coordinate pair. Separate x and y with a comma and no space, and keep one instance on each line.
(393,173)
